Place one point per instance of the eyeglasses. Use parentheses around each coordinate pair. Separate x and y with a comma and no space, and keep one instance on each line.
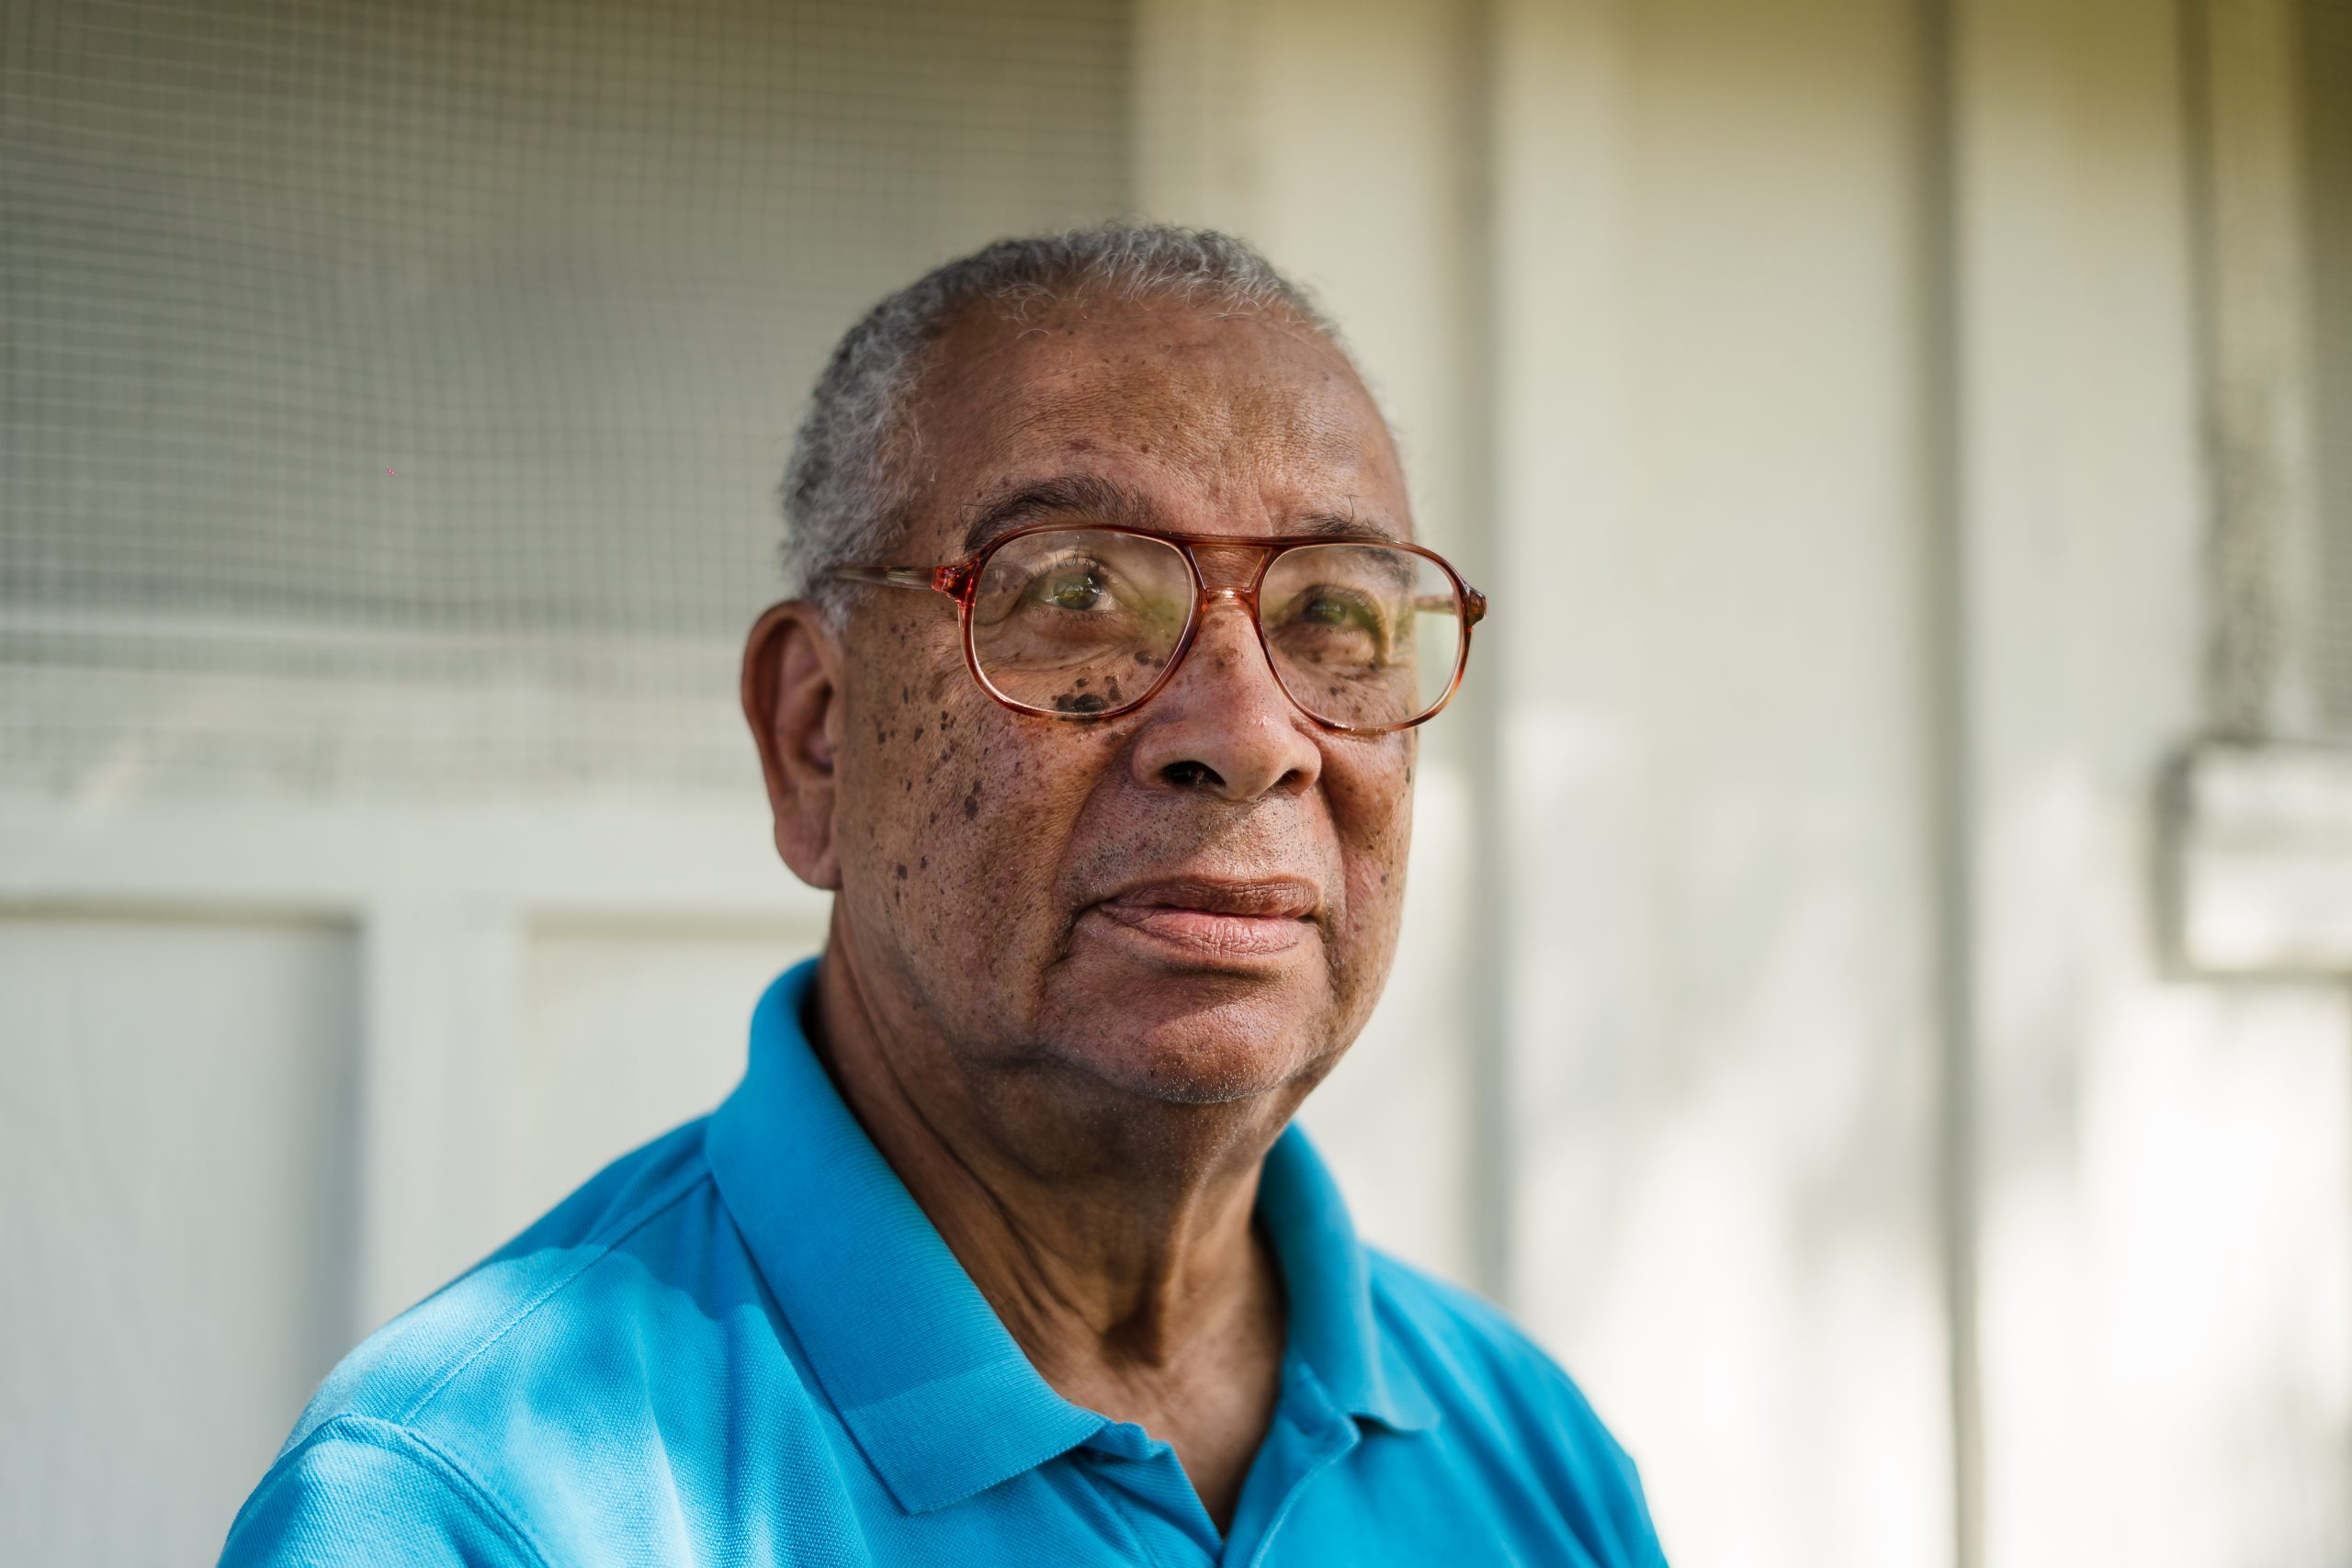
(1364,635)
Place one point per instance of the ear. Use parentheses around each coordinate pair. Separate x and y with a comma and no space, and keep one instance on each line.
(791,697)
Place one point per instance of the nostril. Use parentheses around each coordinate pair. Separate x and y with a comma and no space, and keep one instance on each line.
(1192,776)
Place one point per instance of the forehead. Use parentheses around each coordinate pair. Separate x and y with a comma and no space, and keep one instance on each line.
(1217,420)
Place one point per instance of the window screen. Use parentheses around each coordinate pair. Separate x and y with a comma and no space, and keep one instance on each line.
(392,397)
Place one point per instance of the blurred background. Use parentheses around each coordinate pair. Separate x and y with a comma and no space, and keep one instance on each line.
(1875,999)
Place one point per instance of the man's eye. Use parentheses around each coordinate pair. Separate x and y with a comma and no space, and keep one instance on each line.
(1072,590)
(1334,609)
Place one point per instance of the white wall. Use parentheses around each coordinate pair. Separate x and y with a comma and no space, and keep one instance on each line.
(1723,1034)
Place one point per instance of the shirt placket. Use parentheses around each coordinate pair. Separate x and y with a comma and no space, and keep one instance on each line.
(1142,1479)
(1308,1435)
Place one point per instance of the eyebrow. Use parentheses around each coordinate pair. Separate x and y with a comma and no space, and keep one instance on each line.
(1089,495)
(1101,499)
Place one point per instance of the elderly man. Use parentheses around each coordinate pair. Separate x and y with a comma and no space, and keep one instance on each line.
(1097,712)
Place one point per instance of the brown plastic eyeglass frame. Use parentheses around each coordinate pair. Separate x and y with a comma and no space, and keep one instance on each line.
(960,582)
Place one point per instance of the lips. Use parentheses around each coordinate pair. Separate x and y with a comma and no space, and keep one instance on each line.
(1205,919)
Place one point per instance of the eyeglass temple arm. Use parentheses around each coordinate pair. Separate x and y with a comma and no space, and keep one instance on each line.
(951,579)
(895,576)
(1474,605)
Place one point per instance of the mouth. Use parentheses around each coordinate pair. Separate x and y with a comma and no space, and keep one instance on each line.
(1213,920)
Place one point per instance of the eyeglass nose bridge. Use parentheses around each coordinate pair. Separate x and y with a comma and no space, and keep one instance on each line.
(1240,569)
(1244,595)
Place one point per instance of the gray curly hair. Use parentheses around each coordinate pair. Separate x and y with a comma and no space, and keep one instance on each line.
(851,475)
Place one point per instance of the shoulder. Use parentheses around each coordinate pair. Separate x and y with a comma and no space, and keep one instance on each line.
(565,1265)
(1486,1374)
(450,1428)
(355,1490)
(1471,1337)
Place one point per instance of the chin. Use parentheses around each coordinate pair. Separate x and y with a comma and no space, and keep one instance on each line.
(1209,1049)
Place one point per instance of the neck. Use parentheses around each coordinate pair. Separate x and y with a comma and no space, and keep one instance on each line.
(1110,1234)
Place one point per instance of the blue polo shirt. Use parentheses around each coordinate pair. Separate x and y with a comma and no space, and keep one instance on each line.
(745,1344)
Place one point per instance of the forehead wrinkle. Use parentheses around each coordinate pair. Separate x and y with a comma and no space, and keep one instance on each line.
(1148,403)
(1098,498)
(1245,434)
(1185,396)
(1223,443)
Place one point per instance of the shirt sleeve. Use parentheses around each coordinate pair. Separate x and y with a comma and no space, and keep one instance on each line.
(1601,1489)
(359,1491)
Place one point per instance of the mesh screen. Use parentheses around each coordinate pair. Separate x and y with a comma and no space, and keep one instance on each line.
(392,396)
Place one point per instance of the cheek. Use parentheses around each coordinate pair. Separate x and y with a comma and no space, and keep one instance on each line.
(1371,794)
(1014,791)
(903,737)
(969,813)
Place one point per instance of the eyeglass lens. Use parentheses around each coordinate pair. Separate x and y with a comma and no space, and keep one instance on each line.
(1080,620)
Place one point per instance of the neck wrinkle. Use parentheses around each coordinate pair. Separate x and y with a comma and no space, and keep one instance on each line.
(1098,1267)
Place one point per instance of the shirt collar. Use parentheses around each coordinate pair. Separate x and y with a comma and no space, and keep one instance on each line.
(1327,1275)
(924,1374)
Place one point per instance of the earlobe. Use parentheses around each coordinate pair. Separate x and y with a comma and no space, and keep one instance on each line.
(791,699)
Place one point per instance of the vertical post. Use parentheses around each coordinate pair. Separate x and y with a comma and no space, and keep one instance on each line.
(1554,443)
(1948,809)
(1492,1143)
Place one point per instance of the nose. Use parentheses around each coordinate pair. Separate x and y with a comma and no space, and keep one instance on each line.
(1222,724)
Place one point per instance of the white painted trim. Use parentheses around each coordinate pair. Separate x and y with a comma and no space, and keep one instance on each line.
(444,898)
(575,859)
(2262,860)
